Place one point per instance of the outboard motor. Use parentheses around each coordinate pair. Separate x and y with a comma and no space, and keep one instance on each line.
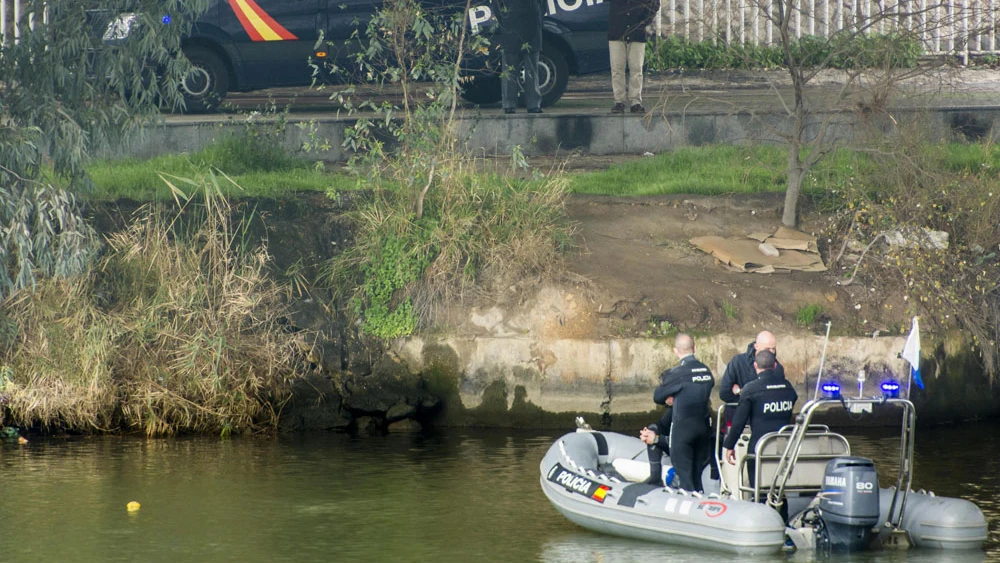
(849,502)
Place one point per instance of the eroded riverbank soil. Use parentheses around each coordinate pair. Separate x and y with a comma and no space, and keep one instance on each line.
(637,268)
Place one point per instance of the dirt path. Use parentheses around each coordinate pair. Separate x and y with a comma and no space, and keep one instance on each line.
(638,269)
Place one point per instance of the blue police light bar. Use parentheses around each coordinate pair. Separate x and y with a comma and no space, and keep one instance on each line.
(166,19)
(831,390)
(890,389)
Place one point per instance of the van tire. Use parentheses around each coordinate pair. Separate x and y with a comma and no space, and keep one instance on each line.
(207,85)
(553,73)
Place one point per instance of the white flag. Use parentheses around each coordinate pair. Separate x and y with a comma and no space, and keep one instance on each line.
(911,352)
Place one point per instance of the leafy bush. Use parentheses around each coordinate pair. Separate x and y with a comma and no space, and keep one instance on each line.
(903,191)
(841,52)
(478,233)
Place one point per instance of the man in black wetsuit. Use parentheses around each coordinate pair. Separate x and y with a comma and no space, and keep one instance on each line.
(687,389)
(766,403)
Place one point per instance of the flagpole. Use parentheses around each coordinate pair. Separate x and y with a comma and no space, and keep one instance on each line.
(909,379)
(822,359)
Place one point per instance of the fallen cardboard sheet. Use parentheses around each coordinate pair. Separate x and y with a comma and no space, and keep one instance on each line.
(796,251)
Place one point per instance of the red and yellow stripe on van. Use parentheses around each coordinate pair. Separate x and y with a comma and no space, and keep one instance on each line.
(256,22)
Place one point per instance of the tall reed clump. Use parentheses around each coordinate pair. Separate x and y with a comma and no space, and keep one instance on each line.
(178,329)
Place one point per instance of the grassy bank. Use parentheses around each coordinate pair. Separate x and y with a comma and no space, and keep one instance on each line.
(259,168)
(255,166)
(728,169)
(178,327)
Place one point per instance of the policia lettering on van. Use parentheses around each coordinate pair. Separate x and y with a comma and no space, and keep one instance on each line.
(244,45)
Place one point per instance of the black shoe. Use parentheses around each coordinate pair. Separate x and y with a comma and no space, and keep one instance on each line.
(637,108)
(535,110)
(619,107)
(508,110)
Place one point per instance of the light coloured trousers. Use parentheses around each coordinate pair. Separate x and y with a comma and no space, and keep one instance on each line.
(631,54)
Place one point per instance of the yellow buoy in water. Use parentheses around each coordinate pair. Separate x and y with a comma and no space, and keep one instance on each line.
(133,506)
(22,440)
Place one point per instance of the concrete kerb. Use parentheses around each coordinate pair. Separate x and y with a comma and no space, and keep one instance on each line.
(560,131)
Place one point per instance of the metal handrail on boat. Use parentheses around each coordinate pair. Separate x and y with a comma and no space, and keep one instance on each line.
(856,406)
(815,432)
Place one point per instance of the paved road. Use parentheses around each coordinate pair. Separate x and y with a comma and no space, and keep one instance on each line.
(699,92)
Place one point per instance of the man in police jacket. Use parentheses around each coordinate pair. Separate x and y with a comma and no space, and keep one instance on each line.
(766,403)
(740,369)
(739,372)
(687,389)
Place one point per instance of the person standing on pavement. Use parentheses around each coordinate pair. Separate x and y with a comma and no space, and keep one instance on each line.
(627,23)
(520,43)
(687,388)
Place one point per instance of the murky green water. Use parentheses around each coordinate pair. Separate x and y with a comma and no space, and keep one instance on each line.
(451,496)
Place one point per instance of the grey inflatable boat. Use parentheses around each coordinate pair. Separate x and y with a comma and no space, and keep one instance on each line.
(594,479)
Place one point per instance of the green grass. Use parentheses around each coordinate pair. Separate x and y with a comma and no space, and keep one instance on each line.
(807,314)
(262,169)
(705,170)
(726,169)
(259,169)
(729,309)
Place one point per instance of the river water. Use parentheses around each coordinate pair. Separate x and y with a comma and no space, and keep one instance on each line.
(455,495)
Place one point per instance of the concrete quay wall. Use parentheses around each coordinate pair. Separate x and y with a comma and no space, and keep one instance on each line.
(614,378)
(486,132)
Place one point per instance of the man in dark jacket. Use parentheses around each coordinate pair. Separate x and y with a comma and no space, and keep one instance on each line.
(766,403)
(740,371)
(627,23)
(520,43)
(687,388)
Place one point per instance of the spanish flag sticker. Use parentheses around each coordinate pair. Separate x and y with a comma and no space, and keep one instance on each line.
(600,493)
(256,22)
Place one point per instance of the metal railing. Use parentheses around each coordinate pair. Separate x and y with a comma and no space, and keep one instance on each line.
(956,27)
(904,478)
(15,21)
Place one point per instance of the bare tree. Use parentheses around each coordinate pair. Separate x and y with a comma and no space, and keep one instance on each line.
(876,45)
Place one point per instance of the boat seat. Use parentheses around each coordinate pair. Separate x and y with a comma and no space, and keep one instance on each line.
(819,445)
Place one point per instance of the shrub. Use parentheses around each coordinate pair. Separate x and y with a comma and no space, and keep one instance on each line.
(905,189)
(841,52)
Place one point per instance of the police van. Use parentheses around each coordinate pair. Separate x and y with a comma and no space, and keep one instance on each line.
(245,45)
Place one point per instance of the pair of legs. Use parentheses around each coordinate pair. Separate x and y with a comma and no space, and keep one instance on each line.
(630,55)
(512,64)
(690,449)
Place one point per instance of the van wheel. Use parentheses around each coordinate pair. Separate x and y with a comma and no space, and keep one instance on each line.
(207,83)
(553,73)
(482,90)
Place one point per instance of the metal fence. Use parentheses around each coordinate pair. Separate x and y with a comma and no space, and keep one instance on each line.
(954,27)
(15,22)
